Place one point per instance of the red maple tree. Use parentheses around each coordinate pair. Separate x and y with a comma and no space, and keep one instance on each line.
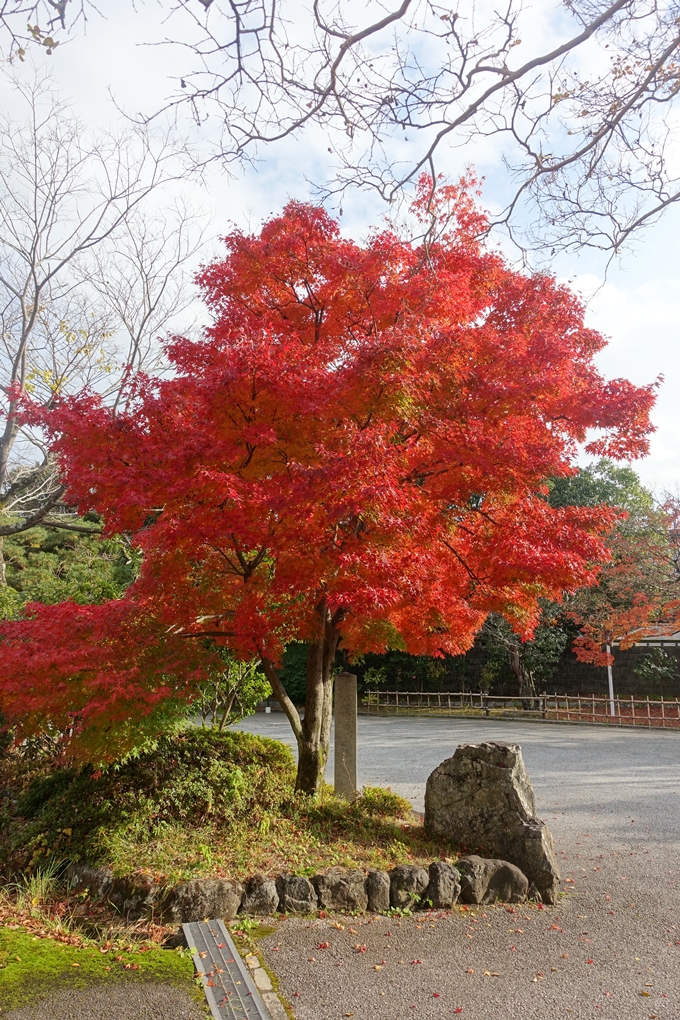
(355,453)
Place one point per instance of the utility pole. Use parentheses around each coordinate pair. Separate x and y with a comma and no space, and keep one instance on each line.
(612,707)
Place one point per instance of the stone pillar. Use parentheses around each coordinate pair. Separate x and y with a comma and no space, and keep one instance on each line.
(346,735)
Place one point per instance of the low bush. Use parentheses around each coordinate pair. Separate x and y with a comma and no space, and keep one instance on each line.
(201,803)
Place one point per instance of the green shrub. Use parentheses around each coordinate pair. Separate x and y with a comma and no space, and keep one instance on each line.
(190,778)
(382,803)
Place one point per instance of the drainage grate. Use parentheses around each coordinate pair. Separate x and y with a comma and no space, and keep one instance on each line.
(228,987)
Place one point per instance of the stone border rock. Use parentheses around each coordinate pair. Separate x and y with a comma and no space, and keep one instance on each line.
(472,880)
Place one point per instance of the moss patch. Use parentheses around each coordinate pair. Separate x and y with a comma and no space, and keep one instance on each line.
(32,967)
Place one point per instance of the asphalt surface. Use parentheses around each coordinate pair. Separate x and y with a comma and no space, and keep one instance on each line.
(609,949)
(138,1001)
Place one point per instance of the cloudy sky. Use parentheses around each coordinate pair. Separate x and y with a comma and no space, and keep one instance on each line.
(637,306)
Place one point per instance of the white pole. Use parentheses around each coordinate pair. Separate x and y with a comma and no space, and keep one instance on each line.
(612,708)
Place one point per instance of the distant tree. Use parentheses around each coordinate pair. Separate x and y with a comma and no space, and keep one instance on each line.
(531,662)
(658,668)
(637,590)
(50,566)
(88,279)
(354,454)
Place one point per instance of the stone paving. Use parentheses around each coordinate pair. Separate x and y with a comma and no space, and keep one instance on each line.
(611,947)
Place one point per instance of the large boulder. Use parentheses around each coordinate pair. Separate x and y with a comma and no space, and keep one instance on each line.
(297,895)
(443,888)
(341,890)
(202,898)
(484,881)
(407,885)
(482,798)
(260,896)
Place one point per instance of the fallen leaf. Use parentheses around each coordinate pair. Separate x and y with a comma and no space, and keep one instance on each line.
(323,945)
(75,965)
(470,970)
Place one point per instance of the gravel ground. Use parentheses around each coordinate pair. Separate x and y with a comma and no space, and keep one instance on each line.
(610,948)
(136,1001)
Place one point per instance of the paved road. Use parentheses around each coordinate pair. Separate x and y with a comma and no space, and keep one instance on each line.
(610,949)
(138,1001)
(618,782)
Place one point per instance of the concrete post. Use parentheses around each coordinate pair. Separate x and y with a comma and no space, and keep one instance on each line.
(346,735)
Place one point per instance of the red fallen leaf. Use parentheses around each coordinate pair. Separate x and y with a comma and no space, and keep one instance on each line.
(513,949)
(416,961)
(323,945)
(540,906)
(554,927)
(458,1009)
(435,995)
(470,970)
(221,945)
(589,961)
(383,962)
(296,995)
(322,913)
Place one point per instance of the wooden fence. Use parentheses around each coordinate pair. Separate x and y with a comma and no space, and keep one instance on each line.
(559,707)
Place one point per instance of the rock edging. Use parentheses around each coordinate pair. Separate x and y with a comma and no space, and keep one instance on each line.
(441,886)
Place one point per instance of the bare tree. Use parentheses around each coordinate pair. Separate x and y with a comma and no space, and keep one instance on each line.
(585,124)
(585,120)
(88,279)
(20,20)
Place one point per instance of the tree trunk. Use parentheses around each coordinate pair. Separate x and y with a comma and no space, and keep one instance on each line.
(527,688)
(313,733)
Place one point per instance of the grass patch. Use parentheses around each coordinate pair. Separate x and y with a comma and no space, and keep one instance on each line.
(201,804)
(32,967)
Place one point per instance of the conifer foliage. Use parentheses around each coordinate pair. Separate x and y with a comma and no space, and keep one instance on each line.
(354,455)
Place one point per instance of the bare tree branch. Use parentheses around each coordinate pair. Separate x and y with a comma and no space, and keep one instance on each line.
(88,277)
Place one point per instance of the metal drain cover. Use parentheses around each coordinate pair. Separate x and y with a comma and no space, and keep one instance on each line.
(228,987)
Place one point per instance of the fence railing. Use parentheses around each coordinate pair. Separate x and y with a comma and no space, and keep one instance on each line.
(561,707)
